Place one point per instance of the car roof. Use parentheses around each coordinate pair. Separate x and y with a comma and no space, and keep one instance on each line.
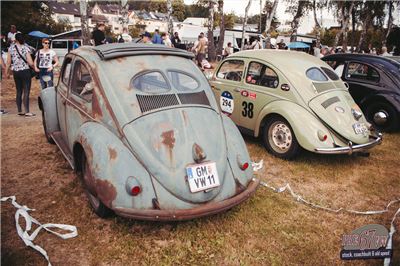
(367,58)
(283,59)
(116,50)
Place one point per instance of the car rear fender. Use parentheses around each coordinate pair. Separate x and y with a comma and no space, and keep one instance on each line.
(304,124)
(48,105)
(237,152)
(393,99)
(112,164)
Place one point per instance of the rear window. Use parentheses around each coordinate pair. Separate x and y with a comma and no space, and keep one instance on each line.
(150,82)
(59,44)
(182,82)
(316,74)
(332,75)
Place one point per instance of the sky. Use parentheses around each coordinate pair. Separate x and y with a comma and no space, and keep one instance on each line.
(306,23)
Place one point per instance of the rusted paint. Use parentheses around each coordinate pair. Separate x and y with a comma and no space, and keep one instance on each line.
(112,153)
(185,117)
(121,59)
(106,192)
(168,139)
(96,108)
(89,179)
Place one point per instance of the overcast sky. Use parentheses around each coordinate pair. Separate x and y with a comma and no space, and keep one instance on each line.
(306,24)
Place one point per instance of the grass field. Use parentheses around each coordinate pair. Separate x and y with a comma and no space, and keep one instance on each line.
(268,229)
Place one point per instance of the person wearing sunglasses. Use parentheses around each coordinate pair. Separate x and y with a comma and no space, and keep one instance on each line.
(44,63)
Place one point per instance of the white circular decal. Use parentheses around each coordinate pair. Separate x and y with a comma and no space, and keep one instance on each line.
(226,102)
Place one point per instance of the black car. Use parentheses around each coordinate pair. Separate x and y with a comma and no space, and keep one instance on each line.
(374,83)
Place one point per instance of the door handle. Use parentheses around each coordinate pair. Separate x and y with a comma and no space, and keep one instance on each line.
(236,89)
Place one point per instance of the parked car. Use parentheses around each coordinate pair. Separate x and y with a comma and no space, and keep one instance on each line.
(141,124)
(291,100)
(374,83)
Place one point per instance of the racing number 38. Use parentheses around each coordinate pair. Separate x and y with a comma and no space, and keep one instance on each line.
(247,109)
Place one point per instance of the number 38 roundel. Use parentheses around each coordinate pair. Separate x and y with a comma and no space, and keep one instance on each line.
(226,103)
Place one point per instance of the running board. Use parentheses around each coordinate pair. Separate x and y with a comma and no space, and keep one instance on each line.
(58,139)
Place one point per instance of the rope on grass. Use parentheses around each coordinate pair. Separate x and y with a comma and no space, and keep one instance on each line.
(28,239)
(299,198)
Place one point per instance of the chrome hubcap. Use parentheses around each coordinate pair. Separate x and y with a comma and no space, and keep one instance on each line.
(381,117)
(280,137)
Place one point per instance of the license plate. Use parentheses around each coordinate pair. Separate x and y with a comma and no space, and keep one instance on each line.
(360,128)
(202,176)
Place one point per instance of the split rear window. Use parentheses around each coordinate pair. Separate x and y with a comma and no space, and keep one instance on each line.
(316,74)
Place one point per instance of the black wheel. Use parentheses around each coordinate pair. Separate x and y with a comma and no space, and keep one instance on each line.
(99,208)
(383,116)
(46,133)
(279,139)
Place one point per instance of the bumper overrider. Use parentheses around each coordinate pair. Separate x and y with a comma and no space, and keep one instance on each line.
(187,214)
(375,140)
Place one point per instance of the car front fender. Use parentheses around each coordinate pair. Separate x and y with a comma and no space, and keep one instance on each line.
(48,105)
(112,163)
(304,124)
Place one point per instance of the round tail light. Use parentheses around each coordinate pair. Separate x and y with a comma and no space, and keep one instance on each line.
(133,186)
(135,190)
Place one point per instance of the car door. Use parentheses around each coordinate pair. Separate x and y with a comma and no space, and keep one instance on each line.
(62,94)
(262,83)
(79,105)
(227,85)
(362,79)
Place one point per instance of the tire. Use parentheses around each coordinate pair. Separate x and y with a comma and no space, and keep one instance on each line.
(384,109)
(46,133)
(98,207)
(279,139)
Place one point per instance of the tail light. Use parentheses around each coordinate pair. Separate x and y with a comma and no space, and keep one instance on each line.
(243,165)
(322,136)
(133,186)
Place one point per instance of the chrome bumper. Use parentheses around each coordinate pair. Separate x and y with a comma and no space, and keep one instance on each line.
(351,148)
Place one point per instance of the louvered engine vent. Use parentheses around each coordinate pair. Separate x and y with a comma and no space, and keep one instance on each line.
(194,98)
(151,102)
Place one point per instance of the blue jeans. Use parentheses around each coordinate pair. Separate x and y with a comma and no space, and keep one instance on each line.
(44,72)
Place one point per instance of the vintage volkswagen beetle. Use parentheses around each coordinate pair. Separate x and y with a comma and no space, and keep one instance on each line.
(141,124)
(291,100)
(374,84)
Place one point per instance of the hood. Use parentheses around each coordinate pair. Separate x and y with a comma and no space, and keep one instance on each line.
(335,109)
(165,140)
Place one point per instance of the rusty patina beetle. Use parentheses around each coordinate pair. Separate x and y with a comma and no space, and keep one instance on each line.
(142,126)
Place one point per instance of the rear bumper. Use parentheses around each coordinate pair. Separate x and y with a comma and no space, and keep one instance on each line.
(375,140)
(187,214)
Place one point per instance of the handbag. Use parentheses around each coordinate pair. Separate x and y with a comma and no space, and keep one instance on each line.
(33,72)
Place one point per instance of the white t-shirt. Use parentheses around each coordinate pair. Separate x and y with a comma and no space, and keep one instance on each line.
(11,36)
(46,58)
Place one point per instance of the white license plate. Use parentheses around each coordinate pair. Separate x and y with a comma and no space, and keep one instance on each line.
(202,176)
(360,128)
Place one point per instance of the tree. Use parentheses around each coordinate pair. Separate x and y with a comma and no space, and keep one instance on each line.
(244,23)
(170,24)
(210,35)
(221,27)
(344,10)
(317,26)
(178,7)
(390,22)
(84,22)
(270,10)
(298,8)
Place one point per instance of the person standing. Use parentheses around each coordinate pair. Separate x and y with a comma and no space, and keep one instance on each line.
(157,38)
(166,40)
(44,63)
(19,59)
(146,37)
(11,34)
(228,50)
(124,37)
(256,45)
(98,34)
(175,39)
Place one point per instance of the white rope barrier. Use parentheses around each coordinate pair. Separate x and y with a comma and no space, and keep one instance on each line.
(28,238)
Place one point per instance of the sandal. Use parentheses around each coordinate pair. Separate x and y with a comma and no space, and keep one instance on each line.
(21,113)
(29,114)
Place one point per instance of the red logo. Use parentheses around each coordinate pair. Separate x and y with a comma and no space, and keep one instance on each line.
(253,95)
(244,93)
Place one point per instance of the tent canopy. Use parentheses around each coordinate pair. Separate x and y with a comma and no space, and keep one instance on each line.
(38,34)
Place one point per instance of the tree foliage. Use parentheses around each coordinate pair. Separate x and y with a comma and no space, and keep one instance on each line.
(29,16)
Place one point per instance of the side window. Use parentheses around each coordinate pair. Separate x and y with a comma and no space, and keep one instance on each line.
(67,71)
(262,75)
(150,82)
(362,72)
(231,70)
(82,82)
(59,44)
